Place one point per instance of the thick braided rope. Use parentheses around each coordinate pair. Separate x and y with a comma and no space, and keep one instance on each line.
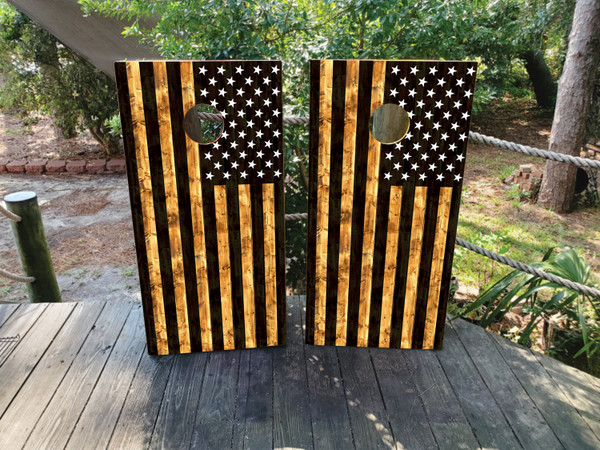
(504,260)
(528,269)
(13,277)
(6,213)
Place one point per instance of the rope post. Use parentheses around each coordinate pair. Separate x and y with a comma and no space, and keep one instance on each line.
(32,246)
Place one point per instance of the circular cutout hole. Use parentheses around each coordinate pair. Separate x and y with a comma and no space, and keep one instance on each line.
(198,126)
(389,123)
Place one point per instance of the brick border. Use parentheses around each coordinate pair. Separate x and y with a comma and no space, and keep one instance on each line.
(59,166)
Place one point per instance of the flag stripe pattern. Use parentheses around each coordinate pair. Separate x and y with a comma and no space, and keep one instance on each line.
(382,217)
(208,218)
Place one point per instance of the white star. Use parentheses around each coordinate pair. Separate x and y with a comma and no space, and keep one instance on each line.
(457,177)
(216,145)
(257,69)
(405,176)
(259,154)
(441,81)
(447,115)
(239,70)
(269,164)
(209,176)
(465,115)
(207,155)
(259,113)
(449,93)
(249,102)
(424,157)
(257,91)
(276,90)
(251,144)
(430,93)
(428,115)
(395,70)
(267,102)
(214,103)
(242,134)
(266,80)
(250,123)
(420,104)
(398,145)
(387,176)
(248,80)
(241,113)
(414,70)
(471,70)
(268,144)
(234,145)
(203,92)
(412,93)
(440,177)
(422,177)
(226,175)
(418,125)
(276,112)
(442,157)
(260,174)
(468,93)
(444,136)
(276,133)
(240,92)
(462,137)
(407,156)
(460,157)
(221,70)
(460,82)
(277,173)
(402,103)
(230,81)
(416,146)
(244,174)
(231,103)
(452,147)
(225,154)
(224,113)
(275,69)
(259,134)
(202,70)
(276,153)
(422,82)
(436,126)
(397,166)
(212,81)
(243,154)
(394,92)
(408,135)
(452,70)
(232,124)
(434,146)
(415,166)
(251,164)
(403,81)
(426,136)
(449,167)
(267,123)
(431,166)
(438,104)
(217,165)
(234,164)
(457,105)
(389,155)
(454,126)
(432,70)
(410,114)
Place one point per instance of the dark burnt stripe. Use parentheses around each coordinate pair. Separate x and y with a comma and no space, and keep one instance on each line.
(365,77)
(235,259)
(136,204)
(258,246)
(335,197)
(184,202)
(447,267)
(160,207)
(210,236)
(311,241)
(381,226)
(406,213)
(429,225)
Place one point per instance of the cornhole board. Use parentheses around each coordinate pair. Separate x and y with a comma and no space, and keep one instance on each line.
(208,218)
(382,218)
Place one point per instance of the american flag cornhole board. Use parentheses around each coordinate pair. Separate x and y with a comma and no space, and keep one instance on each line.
(383,217)
(208,219)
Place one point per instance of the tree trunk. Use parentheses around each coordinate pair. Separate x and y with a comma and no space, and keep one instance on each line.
(572,103)
(541,78)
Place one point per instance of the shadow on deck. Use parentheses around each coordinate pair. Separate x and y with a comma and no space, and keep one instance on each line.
(79,377)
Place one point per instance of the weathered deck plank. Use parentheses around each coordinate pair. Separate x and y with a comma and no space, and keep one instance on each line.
(21,417)
(64,410)
(84,376)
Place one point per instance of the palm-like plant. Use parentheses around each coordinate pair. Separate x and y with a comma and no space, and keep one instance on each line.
(521,288)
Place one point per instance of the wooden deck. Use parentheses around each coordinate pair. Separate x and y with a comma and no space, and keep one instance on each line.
(79,377)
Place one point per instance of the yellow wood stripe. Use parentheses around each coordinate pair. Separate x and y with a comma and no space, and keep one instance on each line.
(195,186)
(325,101)
(391,258)
(435,280)
(366,275)
(168,162)
(224,266)
(268,191)
(350,114)
(143,167)
(245,206)
(414,262)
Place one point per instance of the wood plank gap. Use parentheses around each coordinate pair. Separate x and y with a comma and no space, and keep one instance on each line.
(6,311)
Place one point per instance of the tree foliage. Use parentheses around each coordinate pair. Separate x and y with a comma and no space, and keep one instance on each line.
(41,75)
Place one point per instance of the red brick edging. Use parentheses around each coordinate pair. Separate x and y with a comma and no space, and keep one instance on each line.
(38,166)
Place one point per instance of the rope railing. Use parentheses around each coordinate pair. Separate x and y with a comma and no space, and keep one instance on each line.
(14,277)
(6,213)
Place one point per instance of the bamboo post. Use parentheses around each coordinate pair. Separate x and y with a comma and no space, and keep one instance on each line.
(32,246)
